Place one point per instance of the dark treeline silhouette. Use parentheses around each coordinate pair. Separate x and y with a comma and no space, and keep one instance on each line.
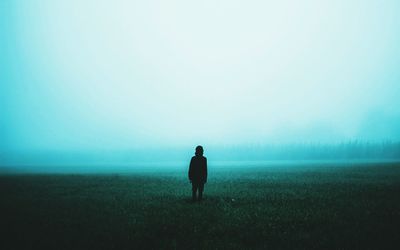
(352,150)
(313,151)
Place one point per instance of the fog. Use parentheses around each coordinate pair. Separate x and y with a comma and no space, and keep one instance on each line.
(139,81)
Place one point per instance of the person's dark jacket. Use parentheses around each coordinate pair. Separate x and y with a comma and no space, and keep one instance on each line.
(198,169)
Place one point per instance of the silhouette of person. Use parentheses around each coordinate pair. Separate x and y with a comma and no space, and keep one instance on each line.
(198,173)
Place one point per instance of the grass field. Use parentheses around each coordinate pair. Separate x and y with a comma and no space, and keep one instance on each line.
(332,206)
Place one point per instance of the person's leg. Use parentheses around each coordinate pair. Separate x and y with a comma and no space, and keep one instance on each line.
(201,188)
(194,191)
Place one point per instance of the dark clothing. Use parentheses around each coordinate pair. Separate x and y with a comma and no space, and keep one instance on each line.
(198,169)
(197,186)
(198,175)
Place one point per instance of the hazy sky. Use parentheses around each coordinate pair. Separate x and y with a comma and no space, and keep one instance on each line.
(119,74)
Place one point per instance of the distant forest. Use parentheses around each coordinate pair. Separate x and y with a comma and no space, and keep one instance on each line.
(313,151)
(354,150)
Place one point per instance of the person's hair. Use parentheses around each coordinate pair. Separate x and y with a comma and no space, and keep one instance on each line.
(199,150)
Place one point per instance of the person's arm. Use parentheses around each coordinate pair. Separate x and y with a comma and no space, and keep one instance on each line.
(190,174)
(205,179)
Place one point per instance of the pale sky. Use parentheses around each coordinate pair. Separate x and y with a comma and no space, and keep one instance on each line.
(128,74)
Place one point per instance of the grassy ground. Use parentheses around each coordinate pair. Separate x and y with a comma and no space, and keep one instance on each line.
(287,207)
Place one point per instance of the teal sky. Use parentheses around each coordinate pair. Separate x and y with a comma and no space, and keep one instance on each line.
(128,74)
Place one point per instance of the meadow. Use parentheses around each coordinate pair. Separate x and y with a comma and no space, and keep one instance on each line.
(282,206)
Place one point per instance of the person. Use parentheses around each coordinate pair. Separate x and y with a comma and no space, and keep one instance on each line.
(198,173)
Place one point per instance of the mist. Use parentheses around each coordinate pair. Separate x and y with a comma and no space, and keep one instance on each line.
(133,81)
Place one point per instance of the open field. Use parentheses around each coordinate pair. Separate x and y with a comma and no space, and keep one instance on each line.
(343,206)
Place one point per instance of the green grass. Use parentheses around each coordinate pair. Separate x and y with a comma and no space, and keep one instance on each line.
(351,206)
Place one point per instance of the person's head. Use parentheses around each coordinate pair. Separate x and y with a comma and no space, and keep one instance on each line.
(199,151)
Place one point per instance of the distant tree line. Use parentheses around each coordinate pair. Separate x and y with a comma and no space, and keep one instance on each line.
(312,151)
(352,150)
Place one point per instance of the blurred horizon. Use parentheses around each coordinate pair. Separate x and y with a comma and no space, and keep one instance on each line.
(179,156)
(91,77)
